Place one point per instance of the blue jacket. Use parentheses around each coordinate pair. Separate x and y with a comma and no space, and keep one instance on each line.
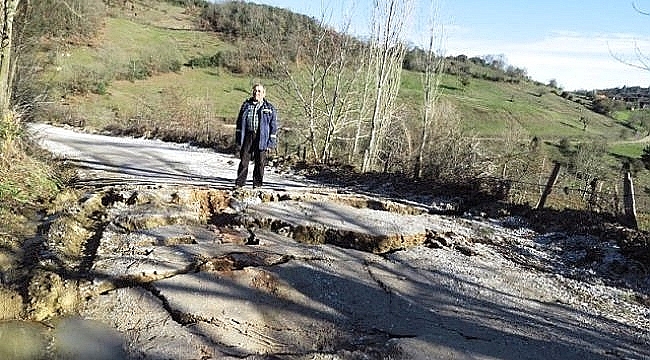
(268,124)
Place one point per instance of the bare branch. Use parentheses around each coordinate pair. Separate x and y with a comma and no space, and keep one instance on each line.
(642,60)
(636,8)
(75,13)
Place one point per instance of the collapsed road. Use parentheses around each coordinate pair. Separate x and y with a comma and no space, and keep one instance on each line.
(155,257)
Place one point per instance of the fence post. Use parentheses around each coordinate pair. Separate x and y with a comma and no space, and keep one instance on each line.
(629,204)
(593,195)
(549,186)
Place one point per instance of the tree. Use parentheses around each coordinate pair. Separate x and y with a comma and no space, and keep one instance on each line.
(433,67)
(640,59)
(323,78)
(584,120)
(8,10)
(387,50)
(640,119)
(452,155)
(603,105)
(587,162)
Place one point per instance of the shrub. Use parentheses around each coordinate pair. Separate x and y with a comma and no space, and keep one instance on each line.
(565,146)
(645,157)
(452,155)
(176,118)
(78,20)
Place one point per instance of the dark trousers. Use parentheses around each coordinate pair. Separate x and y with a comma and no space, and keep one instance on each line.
(248,149)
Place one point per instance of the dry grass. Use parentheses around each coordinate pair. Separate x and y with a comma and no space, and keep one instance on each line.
(26,182)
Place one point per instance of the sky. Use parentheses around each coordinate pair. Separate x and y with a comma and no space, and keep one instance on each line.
(582,45)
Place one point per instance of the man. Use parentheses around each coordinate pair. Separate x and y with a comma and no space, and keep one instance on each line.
(255,135)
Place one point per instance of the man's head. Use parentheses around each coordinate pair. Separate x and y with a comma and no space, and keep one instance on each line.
(258,92)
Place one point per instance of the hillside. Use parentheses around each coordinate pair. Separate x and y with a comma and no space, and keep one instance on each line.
(144,76)
(166,33)
(487,106)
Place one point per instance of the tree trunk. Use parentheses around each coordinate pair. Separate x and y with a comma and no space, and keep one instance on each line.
(8,11)
(431,85)
(388,28)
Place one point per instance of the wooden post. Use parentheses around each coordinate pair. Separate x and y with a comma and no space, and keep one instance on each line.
(628,201)
(593,194)
(549,186)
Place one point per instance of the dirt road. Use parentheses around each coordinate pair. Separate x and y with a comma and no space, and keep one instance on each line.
(176,265)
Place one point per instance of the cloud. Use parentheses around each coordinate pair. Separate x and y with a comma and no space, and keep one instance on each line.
(574,60)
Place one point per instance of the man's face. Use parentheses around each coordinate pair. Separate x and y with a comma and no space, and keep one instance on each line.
(258,93)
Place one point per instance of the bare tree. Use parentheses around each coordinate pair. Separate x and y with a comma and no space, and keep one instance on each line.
(340,98)
(513,151)
(346,88)
(388,30)
(324,82)
(453,155)
(433,68)
(363,111)
(640,59)
(587,161)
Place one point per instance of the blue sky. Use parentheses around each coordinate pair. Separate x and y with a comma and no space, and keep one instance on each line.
(570,41)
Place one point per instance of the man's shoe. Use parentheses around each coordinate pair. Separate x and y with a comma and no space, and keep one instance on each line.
(252,240)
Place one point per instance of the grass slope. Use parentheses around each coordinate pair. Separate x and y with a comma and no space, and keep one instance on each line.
(487,107)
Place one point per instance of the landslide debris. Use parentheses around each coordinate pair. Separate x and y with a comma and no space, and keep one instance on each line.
(126,246)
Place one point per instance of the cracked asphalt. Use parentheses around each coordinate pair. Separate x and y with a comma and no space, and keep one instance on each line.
(181,267)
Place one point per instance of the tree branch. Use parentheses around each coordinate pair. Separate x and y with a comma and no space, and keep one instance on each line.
(636,8)
(71,9)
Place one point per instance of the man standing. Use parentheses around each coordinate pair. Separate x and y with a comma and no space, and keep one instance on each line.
(256,133)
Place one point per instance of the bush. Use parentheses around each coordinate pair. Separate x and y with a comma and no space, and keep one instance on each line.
(607,106)
(452,155)
(187,3)
(148,63)
(176,118)
(81,80)
(645,157)
(79,19)
(565,147)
